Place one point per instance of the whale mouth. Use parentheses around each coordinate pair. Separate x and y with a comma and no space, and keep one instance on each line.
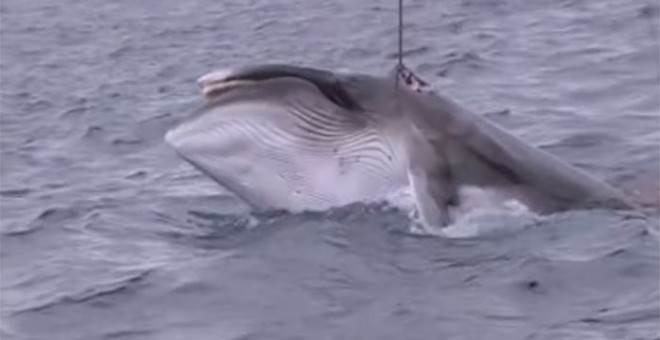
(216,83)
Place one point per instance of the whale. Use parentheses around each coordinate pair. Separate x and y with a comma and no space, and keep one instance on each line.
(299,138)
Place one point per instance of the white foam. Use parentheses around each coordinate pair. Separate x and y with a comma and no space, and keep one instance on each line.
(482,211)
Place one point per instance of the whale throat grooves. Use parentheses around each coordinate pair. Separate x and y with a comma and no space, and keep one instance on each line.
(294,150)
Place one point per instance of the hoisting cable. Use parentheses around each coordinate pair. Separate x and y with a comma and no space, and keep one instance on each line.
(400,32)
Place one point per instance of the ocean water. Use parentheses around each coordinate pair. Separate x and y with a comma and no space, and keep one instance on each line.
(107,234)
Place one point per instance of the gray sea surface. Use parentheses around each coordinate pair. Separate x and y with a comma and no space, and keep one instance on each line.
(107,234)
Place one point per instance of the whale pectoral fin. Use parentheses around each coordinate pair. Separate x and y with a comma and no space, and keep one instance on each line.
(433,215)
(434,193)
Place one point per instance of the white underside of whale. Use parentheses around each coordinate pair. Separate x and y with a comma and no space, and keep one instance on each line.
(267,160)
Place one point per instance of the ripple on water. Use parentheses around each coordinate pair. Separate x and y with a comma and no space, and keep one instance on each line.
(15,193)
(106,234)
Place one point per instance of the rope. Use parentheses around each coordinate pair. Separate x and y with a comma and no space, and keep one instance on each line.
(400,33)
(400,66)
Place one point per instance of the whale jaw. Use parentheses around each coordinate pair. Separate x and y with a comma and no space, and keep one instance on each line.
(280,144)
